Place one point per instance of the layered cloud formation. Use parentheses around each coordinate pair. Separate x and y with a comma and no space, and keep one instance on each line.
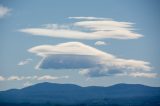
(91,61)
(87,28)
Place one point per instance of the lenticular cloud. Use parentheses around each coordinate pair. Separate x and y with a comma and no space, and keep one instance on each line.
(87,28)
(90,61)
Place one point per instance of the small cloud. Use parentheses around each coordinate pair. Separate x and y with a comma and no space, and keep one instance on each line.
(27,84)
(88,18)
(15,78)
(2,78)
(24,62)
(4,11)
(100,43)
(48,77)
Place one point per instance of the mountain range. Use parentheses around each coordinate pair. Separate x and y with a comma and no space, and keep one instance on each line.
(53,94)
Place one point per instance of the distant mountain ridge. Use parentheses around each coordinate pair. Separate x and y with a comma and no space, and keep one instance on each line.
(70,93)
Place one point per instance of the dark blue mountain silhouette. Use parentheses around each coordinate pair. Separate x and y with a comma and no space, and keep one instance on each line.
(73,94)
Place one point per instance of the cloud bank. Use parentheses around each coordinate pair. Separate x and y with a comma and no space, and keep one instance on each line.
(44,77)
(87,28)
(91,61)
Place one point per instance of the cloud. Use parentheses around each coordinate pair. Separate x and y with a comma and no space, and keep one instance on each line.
(44,77)
(100,43)
(87,29)
(48,77)
(67,55)
(141,74)
(2,78)
(27,84)
(101,71)
(4,11)
(88,18)
(91,61)
(15,78)
(24,62)
(105,25)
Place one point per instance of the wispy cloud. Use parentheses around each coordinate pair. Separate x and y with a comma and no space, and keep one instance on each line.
(15,78)
(91,61)
(44,77)
(142,74)
(87,29)
(27,84)
(100,43)
(101,25)
(24,62)
(4,11)
(48,77)
(88,18)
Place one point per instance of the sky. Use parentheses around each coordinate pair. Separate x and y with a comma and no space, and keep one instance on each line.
(83,42)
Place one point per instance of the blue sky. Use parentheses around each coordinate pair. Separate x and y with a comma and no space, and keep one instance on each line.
(17,64)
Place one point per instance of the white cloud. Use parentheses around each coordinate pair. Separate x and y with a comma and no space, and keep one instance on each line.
(4,11)
(90,29)
(76,48)
(24,62)
(93,62)
(88,18)
(105,25)
(48,77)
(141,74)
(99,43)
(2,78)
(15,78)
(27,84)
(44,77)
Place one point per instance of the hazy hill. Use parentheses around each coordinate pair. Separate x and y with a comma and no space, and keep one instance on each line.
(52,93)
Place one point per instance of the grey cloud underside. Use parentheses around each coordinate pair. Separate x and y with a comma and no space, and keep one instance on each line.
(68,61)
(91,64)
(100,71)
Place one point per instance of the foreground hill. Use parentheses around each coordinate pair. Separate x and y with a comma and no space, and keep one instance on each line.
(51,94)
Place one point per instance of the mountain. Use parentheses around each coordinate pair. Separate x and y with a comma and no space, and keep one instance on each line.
(53,93)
